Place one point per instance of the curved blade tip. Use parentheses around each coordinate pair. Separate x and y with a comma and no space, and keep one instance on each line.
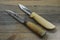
(9,11)
(21,6)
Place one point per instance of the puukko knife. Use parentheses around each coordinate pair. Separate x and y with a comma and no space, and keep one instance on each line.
(38,18)
(37,29)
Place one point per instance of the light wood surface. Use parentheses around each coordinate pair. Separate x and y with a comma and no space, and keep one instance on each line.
(40,2)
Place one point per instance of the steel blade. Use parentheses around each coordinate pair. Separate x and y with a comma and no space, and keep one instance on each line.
(25,9)
(15,15)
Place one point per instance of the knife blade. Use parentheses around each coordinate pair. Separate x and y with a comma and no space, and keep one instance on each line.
(38,18)
(15,15)
(37,29)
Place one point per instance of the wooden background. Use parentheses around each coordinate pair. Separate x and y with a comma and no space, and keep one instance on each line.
(49,9)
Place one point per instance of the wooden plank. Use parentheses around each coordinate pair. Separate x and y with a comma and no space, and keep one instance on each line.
(39,9)
(42,2)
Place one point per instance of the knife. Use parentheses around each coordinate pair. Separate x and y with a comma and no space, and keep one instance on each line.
(38,30)
(46,24)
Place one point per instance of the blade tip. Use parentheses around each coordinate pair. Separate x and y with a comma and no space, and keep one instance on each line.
(21,6)
(8,10)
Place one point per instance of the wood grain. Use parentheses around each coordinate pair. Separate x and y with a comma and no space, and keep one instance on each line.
(40,2)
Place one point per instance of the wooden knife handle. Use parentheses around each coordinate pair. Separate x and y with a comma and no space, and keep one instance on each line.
(37,29)
(42,21)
